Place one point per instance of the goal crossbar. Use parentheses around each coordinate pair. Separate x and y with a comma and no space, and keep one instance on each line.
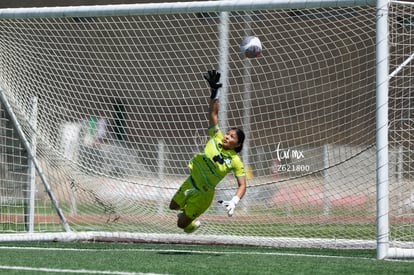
(176,7)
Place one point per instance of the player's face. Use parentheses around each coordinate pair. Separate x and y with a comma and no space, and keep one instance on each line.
(230,140)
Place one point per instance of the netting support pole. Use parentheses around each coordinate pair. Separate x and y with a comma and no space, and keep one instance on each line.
(30,210)
(224,68)
(382,80)
(325,157)
(161,170)
(28,148)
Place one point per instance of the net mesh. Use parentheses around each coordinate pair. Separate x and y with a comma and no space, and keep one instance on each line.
(122,108)
(401,122)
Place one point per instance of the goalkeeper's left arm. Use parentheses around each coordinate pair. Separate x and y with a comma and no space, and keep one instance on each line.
(231,204)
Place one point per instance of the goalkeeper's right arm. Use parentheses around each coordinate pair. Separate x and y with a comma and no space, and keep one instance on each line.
(213,79)
(213,112)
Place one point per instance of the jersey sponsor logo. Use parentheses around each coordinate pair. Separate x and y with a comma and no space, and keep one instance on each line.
(219,159)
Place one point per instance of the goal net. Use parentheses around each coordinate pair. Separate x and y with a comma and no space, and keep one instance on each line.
(102,107)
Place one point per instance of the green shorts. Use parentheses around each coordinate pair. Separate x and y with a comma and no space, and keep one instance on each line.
(192,200)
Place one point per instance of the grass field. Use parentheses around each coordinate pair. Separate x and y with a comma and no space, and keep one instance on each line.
(121,258)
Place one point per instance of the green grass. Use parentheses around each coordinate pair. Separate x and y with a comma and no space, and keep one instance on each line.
(185,259)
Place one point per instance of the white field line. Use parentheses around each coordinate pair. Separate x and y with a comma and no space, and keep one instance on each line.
(67,271)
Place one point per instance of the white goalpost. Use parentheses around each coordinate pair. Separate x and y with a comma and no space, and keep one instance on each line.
(102,107)
(395,213)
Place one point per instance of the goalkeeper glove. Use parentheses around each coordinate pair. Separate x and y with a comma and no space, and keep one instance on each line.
(213,79)
(230,205)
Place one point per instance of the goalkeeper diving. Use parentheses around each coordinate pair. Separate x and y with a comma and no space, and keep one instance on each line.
(218,158)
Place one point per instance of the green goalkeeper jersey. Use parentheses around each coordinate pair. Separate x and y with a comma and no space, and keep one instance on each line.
(211,165)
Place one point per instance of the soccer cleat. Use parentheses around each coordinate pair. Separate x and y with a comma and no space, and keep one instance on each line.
(193,226)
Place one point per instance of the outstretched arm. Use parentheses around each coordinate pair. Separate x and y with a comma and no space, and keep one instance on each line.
(213,79)
(231,204)
(213,112)
(241,181)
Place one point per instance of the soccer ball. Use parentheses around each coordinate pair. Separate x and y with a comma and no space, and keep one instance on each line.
(251,46)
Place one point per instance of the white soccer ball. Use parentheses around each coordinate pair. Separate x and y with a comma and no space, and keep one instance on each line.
(251,47)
